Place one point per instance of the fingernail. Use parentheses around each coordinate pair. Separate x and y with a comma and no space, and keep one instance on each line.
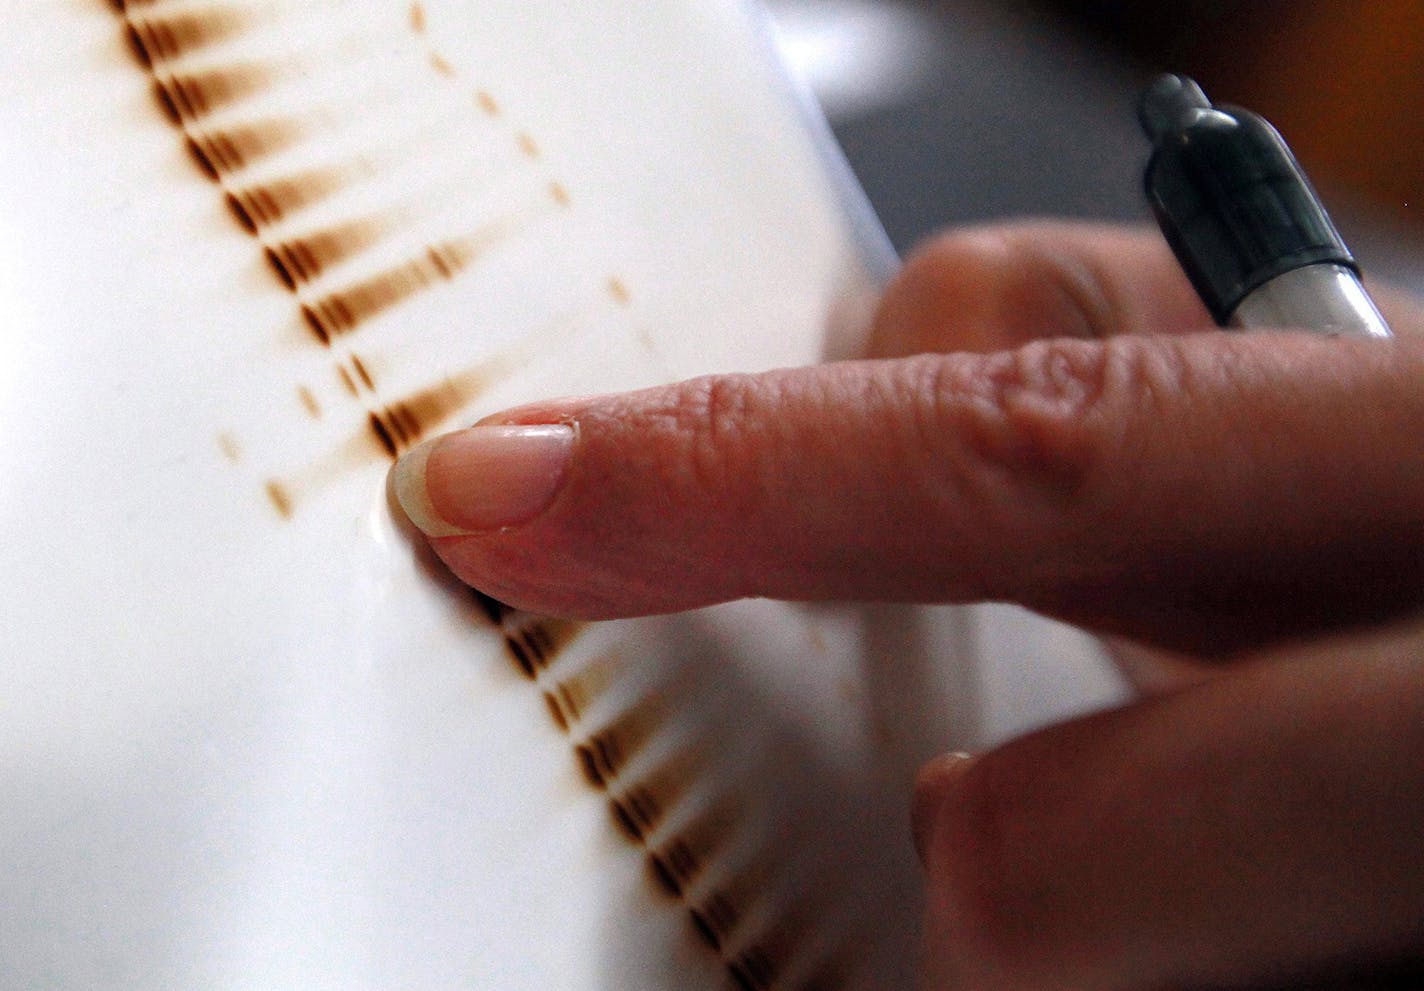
(935,779)
(483,478)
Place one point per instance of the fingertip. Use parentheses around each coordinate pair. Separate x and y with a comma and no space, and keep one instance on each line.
(484,478)
(408,483)
(934,788)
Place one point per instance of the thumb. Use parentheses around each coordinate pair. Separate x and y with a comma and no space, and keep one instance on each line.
(1253,831)
(1167,487)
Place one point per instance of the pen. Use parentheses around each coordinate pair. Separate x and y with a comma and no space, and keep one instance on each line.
(1244,221)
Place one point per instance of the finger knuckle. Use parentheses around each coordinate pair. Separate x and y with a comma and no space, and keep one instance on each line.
(1032,414)
(1054,416)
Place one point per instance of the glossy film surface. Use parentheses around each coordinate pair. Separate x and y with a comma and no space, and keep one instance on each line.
(252,736)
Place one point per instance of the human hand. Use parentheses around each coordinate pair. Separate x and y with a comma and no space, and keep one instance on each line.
(1232,496)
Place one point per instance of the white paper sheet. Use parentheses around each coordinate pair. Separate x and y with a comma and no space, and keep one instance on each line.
(250,735)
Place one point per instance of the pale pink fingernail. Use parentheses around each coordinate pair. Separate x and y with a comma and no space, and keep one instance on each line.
(483,478)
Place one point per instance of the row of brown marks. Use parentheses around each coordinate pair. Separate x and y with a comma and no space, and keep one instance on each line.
(639,808)
(300,260)
(159,38)
(677,865)
(269,203)
(156,38)
(186,97)
(224,152)
(339,313)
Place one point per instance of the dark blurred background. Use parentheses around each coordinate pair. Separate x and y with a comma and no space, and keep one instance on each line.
(960,110)
(1341,78)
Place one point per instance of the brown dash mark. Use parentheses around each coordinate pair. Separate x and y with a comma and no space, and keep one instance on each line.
(637,812)
(280,498)
(186,97)
(678,863)
(618,289)
(159,38)
(566,703)
(265,204)
(605,754)
(223,152)
(363,372)
(570,699)
(536,643)
(344,311)
(715,918)
(644,805)
(402,424)
(231,449)
(347,382)
(300,260)
(309,402)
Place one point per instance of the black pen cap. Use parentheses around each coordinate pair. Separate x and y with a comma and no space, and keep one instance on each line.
(1230,197)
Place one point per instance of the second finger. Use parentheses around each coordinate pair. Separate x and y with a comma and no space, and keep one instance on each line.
(995,288)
